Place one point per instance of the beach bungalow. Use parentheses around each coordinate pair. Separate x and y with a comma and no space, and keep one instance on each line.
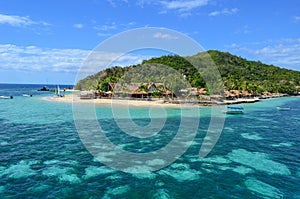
(165,92)
(202,91)
(229,95)
(151,88)
(193,91)
(87,95)
(142,90)
(186,92)
(139,94)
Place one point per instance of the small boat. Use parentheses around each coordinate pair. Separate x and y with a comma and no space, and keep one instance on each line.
(44,88)
(57,92)
(6,97)
(234,110)
(283,108)
(27,95)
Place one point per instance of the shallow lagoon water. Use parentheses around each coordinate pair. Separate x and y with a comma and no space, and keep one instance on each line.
(42,156)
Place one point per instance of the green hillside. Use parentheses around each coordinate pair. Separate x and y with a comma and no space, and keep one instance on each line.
(237,73)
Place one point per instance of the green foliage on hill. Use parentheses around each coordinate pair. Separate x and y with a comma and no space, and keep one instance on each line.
(241,74)
(237,73)
(100,80)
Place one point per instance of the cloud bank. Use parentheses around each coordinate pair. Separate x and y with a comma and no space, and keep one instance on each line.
(35,59)
(19,21)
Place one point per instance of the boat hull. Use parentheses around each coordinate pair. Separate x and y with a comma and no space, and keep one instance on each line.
(233,112)
(6,97)
(283,108)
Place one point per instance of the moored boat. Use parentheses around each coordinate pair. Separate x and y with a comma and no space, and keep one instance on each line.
(27,95)
(283,108)
(57,92)
(44,88)
(234,110)
(6,97)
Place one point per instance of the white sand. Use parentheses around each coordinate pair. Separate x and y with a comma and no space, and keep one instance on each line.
(76,99)
(72,98)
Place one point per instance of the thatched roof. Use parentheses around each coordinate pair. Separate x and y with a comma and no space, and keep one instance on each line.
(229,94)
(202,91)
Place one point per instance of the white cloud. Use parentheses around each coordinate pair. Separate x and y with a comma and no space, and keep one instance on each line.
(282,55)
(105,30)
(32,58)
(131,59)
(78,25)
(128,25)
(224,12)
(103,34)
(283,52)
(296,19)
(18,21)
(35,59)
(160,35)
(183,6)
(99,60)
(106,27)
(114,3)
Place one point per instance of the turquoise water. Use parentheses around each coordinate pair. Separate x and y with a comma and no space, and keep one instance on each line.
(42,156)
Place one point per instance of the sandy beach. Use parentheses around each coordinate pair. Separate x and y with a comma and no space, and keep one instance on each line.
(140,103)
(105,101)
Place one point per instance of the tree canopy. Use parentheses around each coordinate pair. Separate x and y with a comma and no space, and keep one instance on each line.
(236,73)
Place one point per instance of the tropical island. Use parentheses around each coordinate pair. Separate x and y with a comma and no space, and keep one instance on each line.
(240,78)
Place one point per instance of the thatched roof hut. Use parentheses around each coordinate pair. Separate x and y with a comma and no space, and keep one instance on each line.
(202,91)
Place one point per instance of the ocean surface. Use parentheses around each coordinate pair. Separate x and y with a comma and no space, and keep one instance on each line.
(42,155)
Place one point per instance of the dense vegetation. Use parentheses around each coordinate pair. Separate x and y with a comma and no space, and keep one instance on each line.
(241,74)
(237,73)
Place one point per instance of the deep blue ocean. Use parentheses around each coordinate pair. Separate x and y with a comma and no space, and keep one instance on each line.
(42,155)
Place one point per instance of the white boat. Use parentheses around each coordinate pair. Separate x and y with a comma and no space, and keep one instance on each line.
(6,97)
(27,95)
(58,91)
(283,108)
(234,110)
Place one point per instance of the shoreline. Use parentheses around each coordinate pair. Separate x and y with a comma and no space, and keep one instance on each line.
(71,98)
(120,102)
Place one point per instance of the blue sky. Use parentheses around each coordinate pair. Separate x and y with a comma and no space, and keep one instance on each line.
(47,41)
